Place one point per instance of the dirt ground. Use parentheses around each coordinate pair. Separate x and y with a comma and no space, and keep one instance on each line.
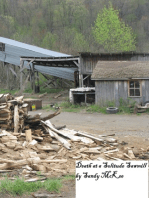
(132,129)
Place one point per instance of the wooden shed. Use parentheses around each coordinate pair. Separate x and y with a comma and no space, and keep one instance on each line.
(88,62)
(121,79)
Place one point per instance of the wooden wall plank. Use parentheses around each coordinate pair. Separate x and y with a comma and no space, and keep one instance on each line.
(114,90)
(147,90)
(116,93)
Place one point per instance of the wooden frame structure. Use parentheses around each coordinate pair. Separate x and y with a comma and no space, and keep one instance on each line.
(59,62)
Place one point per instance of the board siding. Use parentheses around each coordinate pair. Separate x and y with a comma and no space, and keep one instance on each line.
(88,63)
(114,90)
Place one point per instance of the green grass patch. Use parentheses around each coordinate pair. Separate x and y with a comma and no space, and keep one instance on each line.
(5,91)
(28,90)
(69,107)
(47,107)
(125,107)
(43,90)
(124,110)
(69,177)
(96,108)
(19,187)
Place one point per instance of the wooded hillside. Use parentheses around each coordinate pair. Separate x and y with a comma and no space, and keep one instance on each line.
(66,25)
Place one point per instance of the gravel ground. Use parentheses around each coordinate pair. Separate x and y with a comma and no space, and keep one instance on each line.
(131,128)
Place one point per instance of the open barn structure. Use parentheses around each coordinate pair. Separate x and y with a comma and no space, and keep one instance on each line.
(59,64)
(32,59)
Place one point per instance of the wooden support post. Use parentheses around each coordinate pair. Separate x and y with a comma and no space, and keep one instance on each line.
(33,77)
(14,68)
(80,71)
(21,66)
(38,78)
(38,85)
(80,80)
(7,76)
(85,98)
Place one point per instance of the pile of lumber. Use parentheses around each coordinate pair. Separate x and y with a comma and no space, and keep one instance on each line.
(14,114)
(31,144)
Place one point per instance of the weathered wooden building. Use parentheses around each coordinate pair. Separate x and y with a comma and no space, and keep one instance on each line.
(121,79)
(88,62)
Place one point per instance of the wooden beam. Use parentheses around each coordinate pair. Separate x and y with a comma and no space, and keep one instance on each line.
(21,66)
(24,84)
(7,66)
(86,77)
(38,78)
(77,64)
(33,79)
(66,83)
(45,59)
(26,66)
(13,71)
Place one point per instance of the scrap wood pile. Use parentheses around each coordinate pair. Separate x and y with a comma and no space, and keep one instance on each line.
(32,143)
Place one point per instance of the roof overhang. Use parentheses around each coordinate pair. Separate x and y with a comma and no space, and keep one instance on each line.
(63,62)
(118,79)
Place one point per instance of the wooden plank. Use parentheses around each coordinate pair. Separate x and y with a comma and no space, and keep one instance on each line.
(120,89)
(90,136)
(112,151)
(142,91)
(125,95)
(113,158)
(130,154)
(116,93)
(28,134)
(51,115)
(110,91)
(16,119)
(60,139)
(146,90)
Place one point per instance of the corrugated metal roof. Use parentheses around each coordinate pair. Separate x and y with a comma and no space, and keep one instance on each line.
(14,50)
(33,48)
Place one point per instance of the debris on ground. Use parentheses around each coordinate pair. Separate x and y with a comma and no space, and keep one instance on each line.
(29,144)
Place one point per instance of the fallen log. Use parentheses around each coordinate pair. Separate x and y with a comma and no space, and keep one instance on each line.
(57,96)
(42,95)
